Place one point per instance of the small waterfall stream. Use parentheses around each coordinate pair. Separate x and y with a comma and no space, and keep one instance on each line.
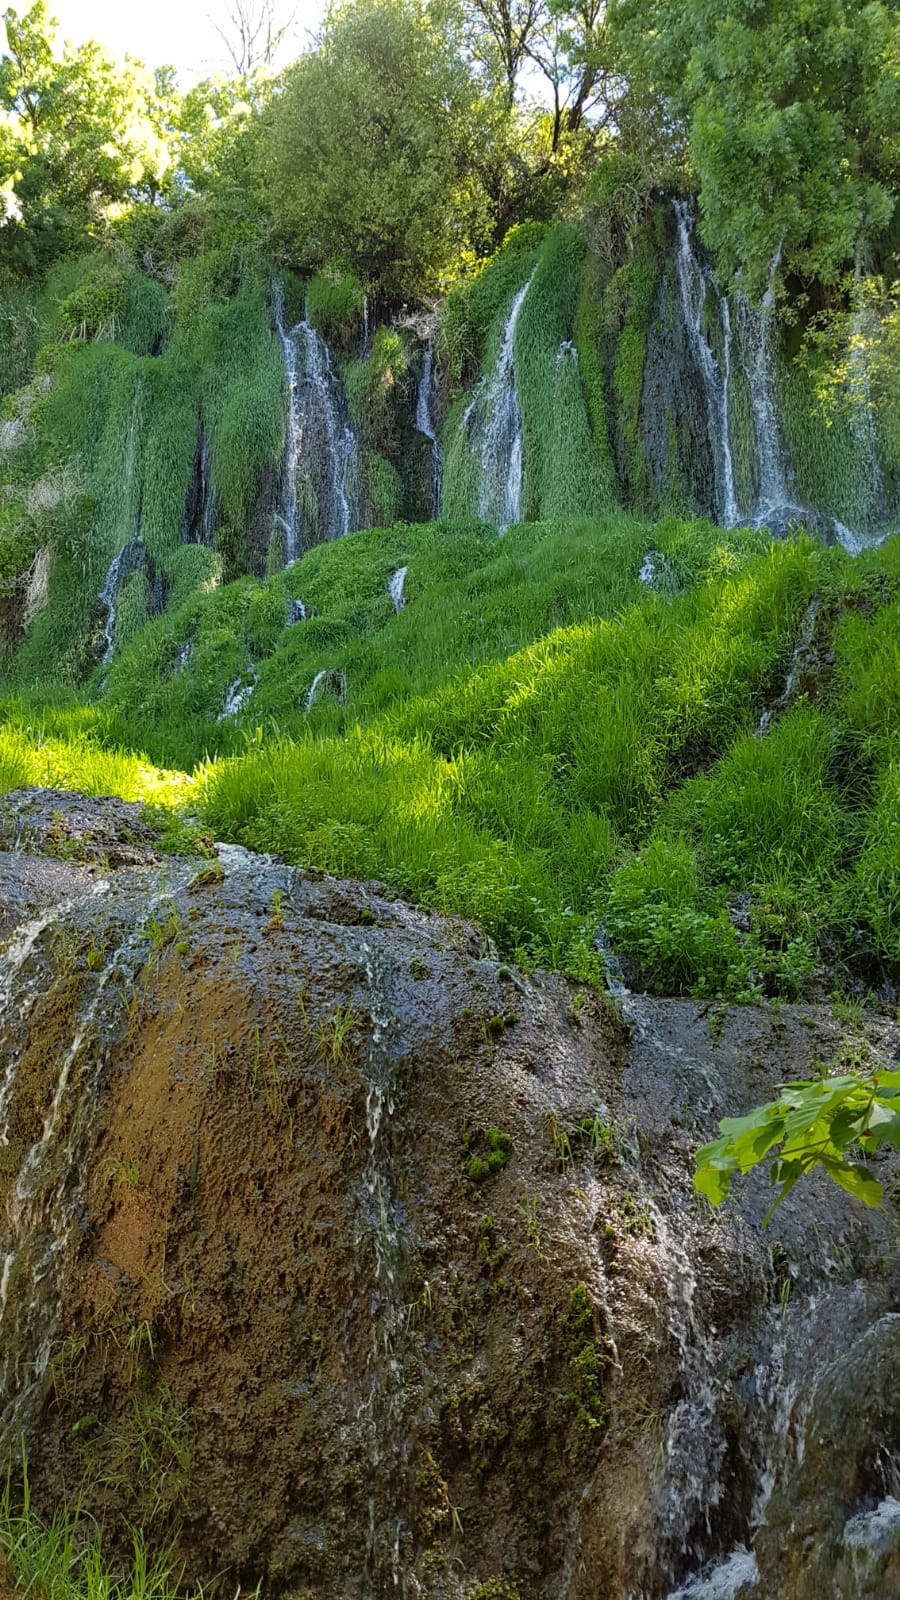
(773,505)
(382,1409)
(695,284)
(494,422)
(755,339)
(425,424)
(130,559)
(200,507)
(43,1206)
(319,480)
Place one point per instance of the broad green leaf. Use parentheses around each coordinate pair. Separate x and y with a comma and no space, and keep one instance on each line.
(855,1179)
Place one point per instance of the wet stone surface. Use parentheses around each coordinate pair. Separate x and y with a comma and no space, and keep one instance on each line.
(364,1265)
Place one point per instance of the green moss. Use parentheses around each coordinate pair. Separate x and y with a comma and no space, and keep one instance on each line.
(587,1363)
(494,1589)
(334,303)
(485,1154)
(627,312)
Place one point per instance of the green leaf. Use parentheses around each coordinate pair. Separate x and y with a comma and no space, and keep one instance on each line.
(714,1182)
(855,1179)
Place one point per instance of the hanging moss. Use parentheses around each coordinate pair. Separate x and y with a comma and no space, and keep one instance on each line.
(628,309)
(334,304)
(562,474)
(588,342)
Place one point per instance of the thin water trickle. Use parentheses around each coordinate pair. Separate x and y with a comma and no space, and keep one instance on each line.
(328,681)
(425,424)
(755,342)
(695,284)
(318,500)
(396,588)
(799,660)
(200,513)
(381,1412)
(129,559)
(42,1206)
(238,693)
(493,422)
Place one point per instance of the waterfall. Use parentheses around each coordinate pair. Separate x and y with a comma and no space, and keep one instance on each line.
(200,506)
(318,500)
(129,559)
(328,681)
(495,420)
(396,587)
(863,417)
(378,1226)
(755,339)
(43,1209)
(773,505)
(425,425)
(238,693)
(695,282)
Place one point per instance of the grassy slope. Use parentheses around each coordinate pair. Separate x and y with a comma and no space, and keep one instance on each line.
(539,741)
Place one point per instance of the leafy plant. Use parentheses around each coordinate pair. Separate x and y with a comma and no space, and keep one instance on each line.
(809,1125)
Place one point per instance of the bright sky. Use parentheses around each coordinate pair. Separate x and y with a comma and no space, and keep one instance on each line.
(179,32)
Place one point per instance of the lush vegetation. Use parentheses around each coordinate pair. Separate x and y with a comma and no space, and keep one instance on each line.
(540,742)
(64,1560)
(811,1124)
(581,761)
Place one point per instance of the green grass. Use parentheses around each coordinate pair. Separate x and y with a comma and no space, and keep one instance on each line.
(64,1559)
(537,741)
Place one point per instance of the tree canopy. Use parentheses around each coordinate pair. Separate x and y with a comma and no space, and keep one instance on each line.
(80,138)
(790,114)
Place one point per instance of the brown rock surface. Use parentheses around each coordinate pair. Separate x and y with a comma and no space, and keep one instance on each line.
(369,1266)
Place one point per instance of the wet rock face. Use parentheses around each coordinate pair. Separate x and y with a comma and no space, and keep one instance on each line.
(373,1267)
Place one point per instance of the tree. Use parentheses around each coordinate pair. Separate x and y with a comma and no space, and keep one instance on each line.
(81,138)
(499,33)
(791,114)
(810,1125)
(253,34)
(367,153)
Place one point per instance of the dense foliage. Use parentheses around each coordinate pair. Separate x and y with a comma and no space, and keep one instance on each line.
(789,115)
(582,761)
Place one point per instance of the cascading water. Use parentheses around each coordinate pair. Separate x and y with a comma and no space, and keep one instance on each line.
(43,1205)
(200,507)
(328,681)
(238,693)
(130,559)
(495,421)
(695,284)
(755,339)
(318,500)
(396,588)
(382,1408)
(863,420)
(425,424)
(773,507)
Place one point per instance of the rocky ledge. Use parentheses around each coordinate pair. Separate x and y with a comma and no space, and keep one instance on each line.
(362,1265)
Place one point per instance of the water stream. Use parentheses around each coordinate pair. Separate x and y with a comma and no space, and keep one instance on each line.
(397,586)
(703,307)
(425,424)
(319,477)
(43,1206)
(130,559)
(696,284)
(494,422)
(382,1408)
